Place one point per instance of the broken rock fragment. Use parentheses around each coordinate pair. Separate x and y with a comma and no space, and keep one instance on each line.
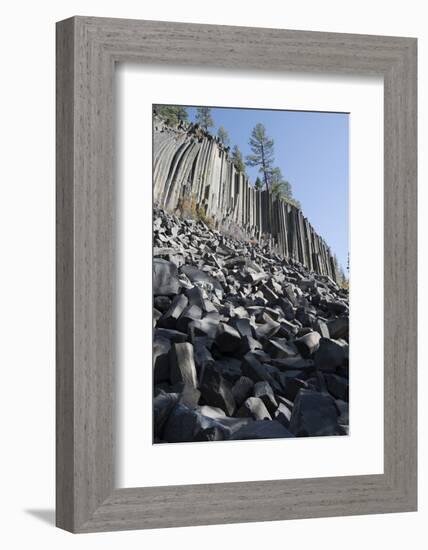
(253,407)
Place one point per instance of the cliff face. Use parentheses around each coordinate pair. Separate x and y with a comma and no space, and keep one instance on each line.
(190,164)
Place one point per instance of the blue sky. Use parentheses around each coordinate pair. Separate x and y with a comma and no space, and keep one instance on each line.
(311,148)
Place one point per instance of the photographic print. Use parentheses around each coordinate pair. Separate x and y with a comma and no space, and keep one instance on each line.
(250,274)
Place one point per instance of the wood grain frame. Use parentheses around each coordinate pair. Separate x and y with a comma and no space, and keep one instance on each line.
(87,50)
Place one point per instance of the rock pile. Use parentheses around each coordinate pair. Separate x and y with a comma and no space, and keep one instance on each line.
(246,344)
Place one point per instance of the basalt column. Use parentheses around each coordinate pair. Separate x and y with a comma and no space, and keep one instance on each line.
(191,165)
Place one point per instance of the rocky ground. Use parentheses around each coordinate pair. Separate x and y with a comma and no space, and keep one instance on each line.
(247,345)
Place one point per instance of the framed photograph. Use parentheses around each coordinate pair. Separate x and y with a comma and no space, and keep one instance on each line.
(236,274)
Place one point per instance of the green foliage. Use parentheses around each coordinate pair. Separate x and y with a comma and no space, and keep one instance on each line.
(278,185)
(258,184)
(238,159)
(172,114)
(281,187)
(262,152)
(204,118)
(223,136)
(295,203)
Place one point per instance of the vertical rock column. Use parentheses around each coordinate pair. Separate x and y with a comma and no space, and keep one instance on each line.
(189,163)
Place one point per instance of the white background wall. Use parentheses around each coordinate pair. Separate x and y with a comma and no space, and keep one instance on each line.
(27,272)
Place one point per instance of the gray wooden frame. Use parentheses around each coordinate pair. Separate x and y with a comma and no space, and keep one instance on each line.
(87,50)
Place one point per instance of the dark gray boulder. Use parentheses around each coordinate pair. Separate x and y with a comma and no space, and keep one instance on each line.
(253,407)
(162,303)
(343,410)
(165,278)
(249,343)
(339,328)
(189,395)
(156,316)
(216,391)
(337,386)
(211,412)
(287,309)
(163,404)
(262,429)
(322,328)
(308,344)
(197,276)
(283,415)
(294,363)
(182,364)
(230,425)
(330,355)
(242,326)
(279,348)
(203,327)
(209,432)
(170,317)
(268,329)
(284,411)
(181,425)
(161,347)
(227,339)
(229,368)
(263,391)
(290,292)
(172,335)
(306,318)
(242,389)
(255,370)
(292,386)
(195,297)
(185,424)
(336,307)
(314,414)
(189,314)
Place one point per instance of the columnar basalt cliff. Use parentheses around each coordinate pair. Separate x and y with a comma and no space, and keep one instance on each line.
(191,165)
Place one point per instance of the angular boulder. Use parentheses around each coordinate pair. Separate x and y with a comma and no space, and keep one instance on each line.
(163,404)
(242,389)
(263,391)
(308,344)
(314,414)
(182,364)
(330,355)
(253,407)
(227,339)
(170,317)
(216,391)
(262,429)
(165,278)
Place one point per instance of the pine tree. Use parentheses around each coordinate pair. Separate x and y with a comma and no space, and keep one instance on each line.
(278,185)
(281,187)
(223,136)
(258,183)
(262,148)
(238,159)
(204,118)
(172,114)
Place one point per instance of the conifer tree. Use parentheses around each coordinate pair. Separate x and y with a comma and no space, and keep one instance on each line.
(204,118)
(238,159)
(172,114)
(262,152)
(223,136)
